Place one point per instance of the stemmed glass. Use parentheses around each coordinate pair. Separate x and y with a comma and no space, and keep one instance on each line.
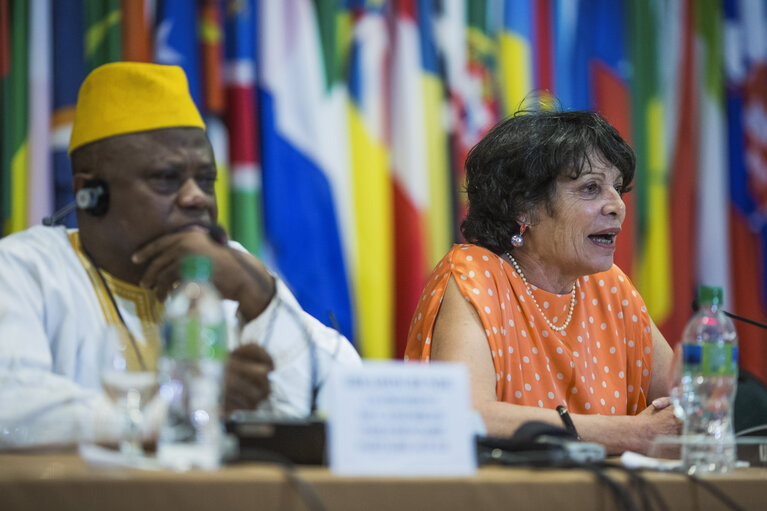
(129,385)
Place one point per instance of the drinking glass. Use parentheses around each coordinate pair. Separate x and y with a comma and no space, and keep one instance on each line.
(129,385)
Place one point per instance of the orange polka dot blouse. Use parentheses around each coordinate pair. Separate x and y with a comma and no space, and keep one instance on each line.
(601,363)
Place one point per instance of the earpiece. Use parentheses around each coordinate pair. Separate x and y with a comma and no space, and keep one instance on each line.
(93,197)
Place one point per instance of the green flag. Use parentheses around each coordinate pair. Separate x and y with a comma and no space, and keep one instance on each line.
(103,42)
(14,120)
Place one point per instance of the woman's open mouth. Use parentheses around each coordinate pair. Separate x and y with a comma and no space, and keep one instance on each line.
(604,239)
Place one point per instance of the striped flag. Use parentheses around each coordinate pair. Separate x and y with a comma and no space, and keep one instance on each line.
(40,173)
(543,47)
(653,273)
(14,127)
(5,101)
(571,40)
(69,71)
(610,95)
(465,107)
(305,163)
(103,33)
(682,124)
(746,74)
(439,214)
(241,115)
(515,54)
(602,40)
(372,264)
(214,98)
(409,170)
(473,91)
(137,25)
(713,193)
(176,41)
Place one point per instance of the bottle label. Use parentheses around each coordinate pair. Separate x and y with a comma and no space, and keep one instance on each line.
(691,355)
(719,359)
(190,339)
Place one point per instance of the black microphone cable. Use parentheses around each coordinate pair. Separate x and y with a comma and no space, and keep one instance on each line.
(732,315)
(716,492)
(645,488)
(621,496)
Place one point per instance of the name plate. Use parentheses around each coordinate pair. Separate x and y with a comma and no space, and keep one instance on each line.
(397,419)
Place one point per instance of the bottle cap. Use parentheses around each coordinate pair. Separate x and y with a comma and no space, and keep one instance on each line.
(710,295)
(196,267)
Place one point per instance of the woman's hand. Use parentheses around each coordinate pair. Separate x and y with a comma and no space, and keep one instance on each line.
(658,419)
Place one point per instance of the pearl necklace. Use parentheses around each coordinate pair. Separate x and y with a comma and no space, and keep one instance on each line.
(530,293)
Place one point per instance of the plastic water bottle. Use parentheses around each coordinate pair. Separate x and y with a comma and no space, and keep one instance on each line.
(192,370)
(704,395)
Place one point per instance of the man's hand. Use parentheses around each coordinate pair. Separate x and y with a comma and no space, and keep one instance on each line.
(237,276)
(246,380)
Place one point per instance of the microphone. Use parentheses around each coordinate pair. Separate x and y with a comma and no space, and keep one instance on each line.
(59,215)
(260,438)
(696,307)
(219,236)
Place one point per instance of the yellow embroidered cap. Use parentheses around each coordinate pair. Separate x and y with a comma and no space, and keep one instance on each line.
(128,97)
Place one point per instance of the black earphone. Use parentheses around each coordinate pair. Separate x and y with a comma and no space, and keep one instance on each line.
(93,197)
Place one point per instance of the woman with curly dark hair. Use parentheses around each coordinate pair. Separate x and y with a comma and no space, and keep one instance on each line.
(534,304)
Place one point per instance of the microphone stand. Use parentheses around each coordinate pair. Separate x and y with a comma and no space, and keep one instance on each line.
(274,439)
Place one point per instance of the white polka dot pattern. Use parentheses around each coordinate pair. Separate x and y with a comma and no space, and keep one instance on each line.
(609,332)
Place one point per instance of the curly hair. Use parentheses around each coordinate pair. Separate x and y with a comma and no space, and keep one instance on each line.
(515,168)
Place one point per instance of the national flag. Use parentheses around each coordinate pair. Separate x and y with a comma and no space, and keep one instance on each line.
(14,123)
(602,55)
(682,124)
(69,71)
(40,175)
(515,54)
(241,115)
(214,98)
(307,187)
(409,170)
(653,273)
(5,67)
(572,41)
(439,213)
(176,41)
(713,191)
(372,264)
(468,115)
(103,33)
(137,27)
(746,84)
(211,34)
(474,93)
(543,48)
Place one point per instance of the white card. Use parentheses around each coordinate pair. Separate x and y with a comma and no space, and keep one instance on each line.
(392,418)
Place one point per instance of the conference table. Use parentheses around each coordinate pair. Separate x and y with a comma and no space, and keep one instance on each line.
(63,481)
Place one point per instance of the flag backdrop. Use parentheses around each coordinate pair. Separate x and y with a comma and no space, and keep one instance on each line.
(341,128)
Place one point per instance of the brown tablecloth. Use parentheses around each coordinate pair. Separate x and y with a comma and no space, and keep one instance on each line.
(64,481)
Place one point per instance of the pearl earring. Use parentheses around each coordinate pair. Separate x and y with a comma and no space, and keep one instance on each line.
(517,240)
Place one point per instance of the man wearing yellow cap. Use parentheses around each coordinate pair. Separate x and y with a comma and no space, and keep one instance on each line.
(144,175)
